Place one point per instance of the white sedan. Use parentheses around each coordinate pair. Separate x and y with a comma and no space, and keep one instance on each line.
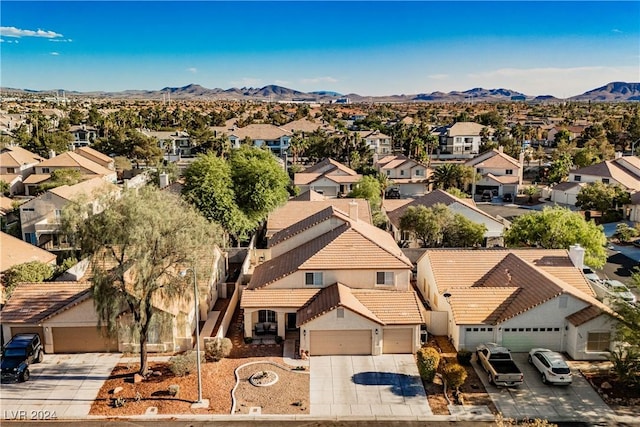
(551,365)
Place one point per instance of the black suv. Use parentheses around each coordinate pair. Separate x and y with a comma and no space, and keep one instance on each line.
(18,354)
(392,193)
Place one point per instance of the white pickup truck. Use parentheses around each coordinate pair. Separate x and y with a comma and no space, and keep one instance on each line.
(497,362)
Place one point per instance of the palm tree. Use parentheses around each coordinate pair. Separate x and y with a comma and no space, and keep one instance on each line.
(445,176)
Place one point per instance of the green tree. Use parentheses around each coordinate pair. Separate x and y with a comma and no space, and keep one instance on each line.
(559,170)
(33,271)
(559,228)
(260,183)
(461,232)
(601,197)
(367,188)
(4,187)
(458,193)
(61,177)
(624,233)
(137,245)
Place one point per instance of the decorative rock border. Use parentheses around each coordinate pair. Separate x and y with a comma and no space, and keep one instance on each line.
(256,378)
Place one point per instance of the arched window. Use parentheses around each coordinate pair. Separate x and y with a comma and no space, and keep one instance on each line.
(266,316)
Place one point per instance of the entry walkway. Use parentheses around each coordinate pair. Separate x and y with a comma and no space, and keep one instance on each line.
(387,385)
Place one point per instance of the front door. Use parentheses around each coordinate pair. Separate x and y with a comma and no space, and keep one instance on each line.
(291,321)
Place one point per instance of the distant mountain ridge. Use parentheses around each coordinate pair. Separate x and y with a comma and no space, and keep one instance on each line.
(614,91)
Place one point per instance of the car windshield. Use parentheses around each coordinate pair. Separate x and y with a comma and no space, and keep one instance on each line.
(560,371)
(14,352)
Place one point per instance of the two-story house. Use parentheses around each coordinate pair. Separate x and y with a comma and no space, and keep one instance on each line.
(262,135)
(40,217)
(499,173)
(81,160)
(395,209)
(174,144)
(379,143)
(83,135)
(340,284)
(623,171)
(327,177)
(519,298)
(16,164)
(409,176)
(462,139)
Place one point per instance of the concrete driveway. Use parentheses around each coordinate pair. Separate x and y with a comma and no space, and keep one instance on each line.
(367,386)
(533,399)
(62,386)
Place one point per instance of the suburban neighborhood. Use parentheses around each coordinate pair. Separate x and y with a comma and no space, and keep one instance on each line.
(445,262)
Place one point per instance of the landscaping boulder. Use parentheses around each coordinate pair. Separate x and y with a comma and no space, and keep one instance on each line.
(116,390)
(137,378)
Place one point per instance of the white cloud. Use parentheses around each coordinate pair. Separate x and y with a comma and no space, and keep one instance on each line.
(192,70)
(55,53)
(61,40)
(247,81)
(8,41)
(282,82)
(559,82)
(615,30)
(326,79)
(17,32)
(438,76)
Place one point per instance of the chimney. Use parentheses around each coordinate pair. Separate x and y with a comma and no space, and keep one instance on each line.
(618,154)
(52,154)
(576,253)
(353,210)
(164,180)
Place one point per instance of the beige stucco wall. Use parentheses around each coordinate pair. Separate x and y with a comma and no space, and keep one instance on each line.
(577,338)
(330,321)
(357,279)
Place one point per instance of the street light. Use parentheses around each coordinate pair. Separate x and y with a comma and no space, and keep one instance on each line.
(183,273)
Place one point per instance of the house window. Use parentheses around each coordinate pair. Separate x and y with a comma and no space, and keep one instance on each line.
(31,238)
(605,180)
(45,170)
(509,171)
(577,178)
(340,313)
(419,172)
(384,278)
(313,279)
(388,172)
(28,210)
(598,341)
(402,173)
(58,213)
(11,170)
(267,316)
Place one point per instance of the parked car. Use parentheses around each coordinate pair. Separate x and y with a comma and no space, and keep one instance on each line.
(591,275)
(392,193)
(551,365)
(499,365)
(619,290)
(487,195)
(18,354)
(507,197)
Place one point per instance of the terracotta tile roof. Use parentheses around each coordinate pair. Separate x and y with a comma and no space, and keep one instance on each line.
(92,154)
(480,305)
(305,224)
(326,165)
(15,251)
(289,298)
(73,160)
(304,125)
(564,186)
(465,129)
(36,178)
(392,307)
(14,156)
(493,159)
(615,169)
(308,196)
(9,177)
(583,316)
(295,211)
(454,267)
(353,245)
(87,188)
(503,179)
(392,204)
(430,200)
(6,205)
(330,298)
(34,302)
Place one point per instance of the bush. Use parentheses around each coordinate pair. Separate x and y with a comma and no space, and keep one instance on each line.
(217,348)
(464,357)
(278,339)
(454,374)
(174,389)
(184,364)
(248,340)
(428,361)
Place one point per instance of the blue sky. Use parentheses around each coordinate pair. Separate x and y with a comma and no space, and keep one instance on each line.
(365,47)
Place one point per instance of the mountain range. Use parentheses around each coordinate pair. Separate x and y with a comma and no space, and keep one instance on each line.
(614,91)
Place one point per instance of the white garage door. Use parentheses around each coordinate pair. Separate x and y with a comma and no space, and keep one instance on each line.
(473,336)
(524,339)
(324,343)
(396,341)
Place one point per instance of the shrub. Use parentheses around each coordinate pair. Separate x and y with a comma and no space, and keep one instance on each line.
(183,364)
(464,357)
(454,374)
(428,361)
(174,389)
(217,349)
(278,339)
(248,340)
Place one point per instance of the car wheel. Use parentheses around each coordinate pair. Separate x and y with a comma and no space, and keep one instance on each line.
(544,379)
(530,360)
(25,376)
(40,357)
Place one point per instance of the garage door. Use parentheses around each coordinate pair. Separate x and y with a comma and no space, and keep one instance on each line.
(474,336)
(397,341)
(340,342)
(82,340)
(524,339)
